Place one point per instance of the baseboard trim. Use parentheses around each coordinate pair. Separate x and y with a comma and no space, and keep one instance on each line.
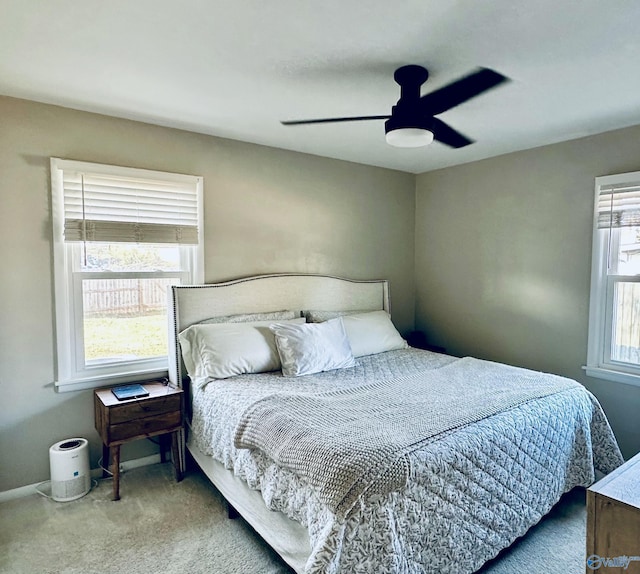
(30,489)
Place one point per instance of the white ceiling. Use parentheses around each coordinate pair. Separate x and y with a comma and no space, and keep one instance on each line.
(236,68)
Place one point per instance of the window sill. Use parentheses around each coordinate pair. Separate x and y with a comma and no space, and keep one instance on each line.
(107,380)
(615,376)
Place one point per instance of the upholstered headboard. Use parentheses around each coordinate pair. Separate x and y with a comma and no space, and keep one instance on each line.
(265,293)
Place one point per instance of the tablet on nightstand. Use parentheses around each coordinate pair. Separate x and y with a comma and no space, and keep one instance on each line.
(129,392)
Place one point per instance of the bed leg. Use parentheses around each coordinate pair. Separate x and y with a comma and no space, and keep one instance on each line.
(232,513)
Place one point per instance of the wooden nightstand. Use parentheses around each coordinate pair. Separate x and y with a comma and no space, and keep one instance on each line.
(613,520)
(118,422)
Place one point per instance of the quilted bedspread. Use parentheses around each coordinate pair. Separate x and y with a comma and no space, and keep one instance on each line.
(472,490)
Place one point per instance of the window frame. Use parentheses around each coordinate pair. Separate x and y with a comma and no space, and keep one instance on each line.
(70,374)
(602,297)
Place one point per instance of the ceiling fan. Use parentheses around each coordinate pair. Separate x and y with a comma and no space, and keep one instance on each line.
(412,122)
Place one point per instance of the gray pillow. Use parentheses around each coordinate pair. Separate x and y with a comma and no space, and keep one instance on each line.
(321,316)
(249,317)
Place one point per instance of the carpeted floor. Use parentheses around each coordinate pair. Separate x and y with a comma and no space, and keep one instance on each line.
(160,526)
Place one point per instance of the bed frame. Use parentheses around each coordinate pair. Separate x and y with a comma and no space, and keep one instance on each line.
(263,293)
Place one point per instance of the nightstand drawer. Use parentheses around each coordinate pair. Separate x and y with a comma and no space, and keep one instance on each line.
(132,410)
(145,426)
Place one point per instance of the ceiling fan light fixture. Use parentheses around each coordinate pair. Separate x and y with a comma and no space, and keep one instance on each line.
(409,137)
(413,122)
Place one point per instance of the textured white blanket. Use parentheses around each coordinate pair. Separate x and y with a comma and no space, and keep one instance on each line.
(354,442)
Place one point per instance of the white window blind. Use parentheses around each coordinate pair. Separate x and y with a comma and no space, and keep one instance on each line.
(619,205)
(107,207)
(614,313)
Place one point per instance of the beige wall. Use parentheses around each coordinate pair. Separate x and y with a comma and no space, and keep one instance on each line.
(502,251)
(503,256)
(266,210)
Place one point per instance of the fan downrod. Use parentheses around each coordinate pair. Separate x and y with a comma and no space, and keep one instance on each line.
(411,75)
(410,78)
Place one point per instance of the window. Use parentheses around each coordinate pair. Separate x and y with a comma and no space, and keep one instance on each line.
(121,237)
(614,317)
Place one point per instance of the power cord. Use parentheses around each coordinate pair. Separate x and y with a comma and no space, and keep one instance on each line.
(94,484)
(40,492)
(104,469)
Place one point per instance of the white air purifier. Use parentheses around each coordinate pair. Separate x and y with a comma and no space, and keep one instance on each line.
(69,464)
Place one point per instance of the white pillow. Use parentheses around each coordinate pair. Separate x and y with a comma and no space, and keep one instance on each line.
(223,350)
(371,333)
(312,348)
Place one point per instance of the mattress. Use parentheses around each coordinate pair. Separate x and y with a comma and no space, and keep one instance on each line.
(472,490)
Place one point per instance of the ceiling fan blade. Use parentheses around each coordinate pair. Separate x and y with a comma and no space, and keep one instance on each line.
(333,120)
(448,136)
(460,91)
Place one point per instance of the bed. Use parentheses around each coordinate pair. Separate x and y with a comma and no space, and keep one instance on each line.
(466,491)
